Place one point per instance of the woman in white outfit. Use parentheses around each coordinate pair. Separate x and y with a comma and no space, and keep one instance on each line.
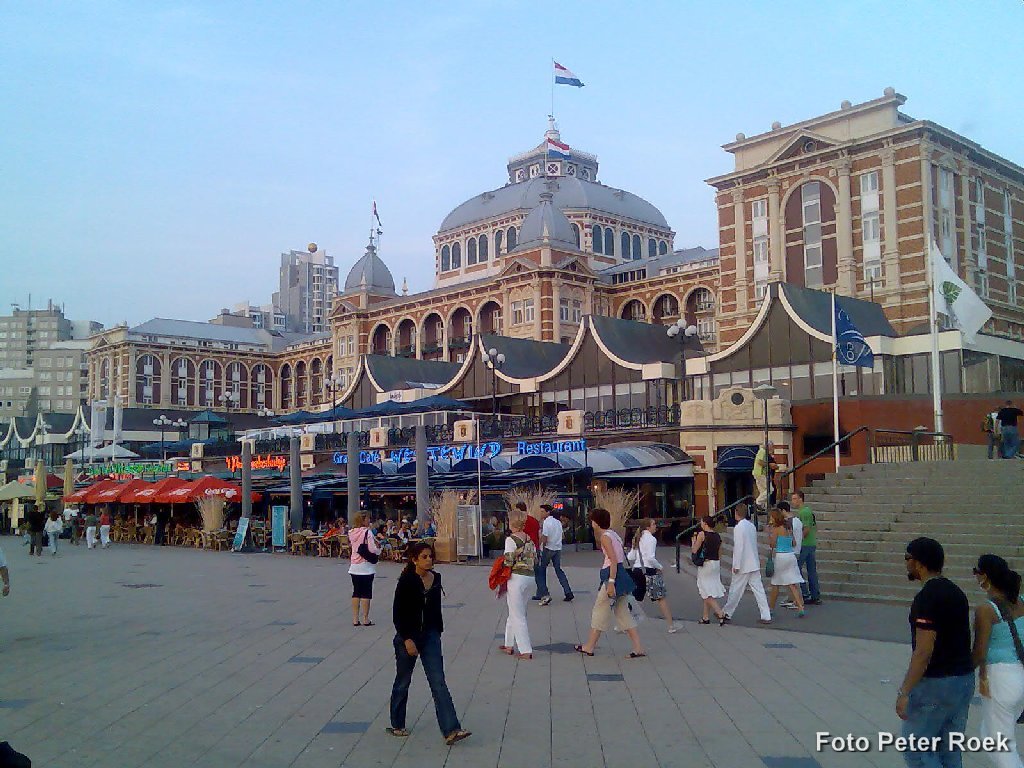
(707,546)
(643,556)
(54,527)
(1000,669)
(787,571)
(521,557)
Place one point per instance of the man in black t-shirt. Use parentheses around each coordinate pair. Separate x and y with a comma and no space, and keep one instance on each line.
(937,689)
(1007,418)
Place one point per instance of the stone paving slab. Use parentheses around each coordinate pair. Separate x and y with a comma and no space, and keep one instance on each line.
(209,670)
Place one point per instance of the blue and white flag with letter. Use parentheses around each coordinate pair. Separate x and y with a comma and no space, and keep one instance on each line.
(851,348)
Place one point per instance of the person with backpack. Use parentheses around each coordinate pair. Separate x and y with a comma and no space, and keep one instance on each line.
(365,554)
(521,557)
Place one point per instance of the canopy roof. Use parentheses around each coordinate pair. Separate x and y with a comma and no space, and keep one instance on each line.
(106,452)
(15,490)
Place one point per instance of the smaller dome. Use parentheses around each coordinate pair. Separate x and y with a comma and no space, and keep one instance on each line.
(370,274)
(548,226)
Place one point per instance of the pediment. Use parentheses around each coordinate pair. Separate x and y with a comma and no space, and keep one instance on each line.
(577,265)
(802,143)
(518,265)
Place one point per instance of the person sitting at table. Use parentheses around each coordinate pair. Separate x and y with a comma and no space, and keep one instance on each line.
(430,530)
(404,534)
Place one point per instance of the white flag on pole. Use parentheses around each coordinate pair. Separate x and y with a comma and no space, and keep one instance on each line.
(955,299)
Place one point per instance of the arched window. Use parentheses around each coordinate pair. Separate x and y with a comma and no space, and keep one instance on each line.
(652,248)
(446,258)
(662,248)
(210,381)
(625,241)
(576,232)
(609,242)
(287,388)
(596,236)
(638,251)
(456,255)
(183,382)
(482,250)
(498,237)
(262,381)
(513,238)
(471,251)
(147,380)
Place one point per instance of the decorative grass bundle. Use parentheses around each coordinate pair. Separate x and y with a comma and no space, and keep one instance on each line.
(620,503)
(444,511)
(211,510)
(531,496)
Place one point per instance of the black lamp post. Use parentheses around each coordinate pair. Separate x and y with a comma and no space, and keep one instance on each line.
(681,330)
(496,360)
(333,384)
(164,424)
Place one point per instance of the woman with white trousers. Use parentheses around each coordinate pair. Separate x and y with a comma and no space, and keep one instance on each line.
(520,556)
(997,655)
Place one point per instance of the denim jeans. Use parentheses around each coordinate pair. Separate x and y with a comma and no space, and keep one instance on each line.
(938,706)
(551,556)
(429,647)
(1011,442)
(994,446)
(808,559)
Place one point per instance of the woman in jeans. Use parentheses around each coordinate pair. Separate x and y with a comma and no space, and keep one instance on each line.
(643,556)
(709,575)
(362,571)
(610,608)
(1000,671)
(418,628)
(521,557)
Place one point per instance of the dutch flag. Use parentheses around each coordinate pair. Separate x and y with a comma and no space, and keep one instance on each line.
(557,149)
(564,77)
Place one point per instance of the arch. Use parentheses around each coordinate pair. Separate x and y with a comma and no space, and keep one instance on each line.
(380,340)
(576,233)
(405,341)
(147,380)
(456,255)
(316,381)
(609,242)
(238,384)
(512,237)
(460,325)
(634,309)
(261,386)
(287,388)
(795,210)
(499,236)
(482,249)
(432,334)
(446,258)
(471,251)
(183,381)
(301,384)
(638,251)
(625,243)
(652,247)
(489,318)
(662,247)
(597,239)
(665,309)
(211,382)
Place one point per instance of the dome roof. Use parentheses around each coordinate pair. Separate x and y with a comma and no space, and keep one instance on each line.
(546,225)
(370,274)
(570,194)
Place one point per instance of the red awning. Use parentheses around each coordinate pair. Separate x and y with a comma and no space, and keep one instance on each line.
(149,493)
(205,486)
(116,493)
(79,496)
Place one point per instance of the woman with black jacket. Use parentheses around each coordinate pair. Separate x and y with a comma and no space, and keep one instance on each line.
(418,624)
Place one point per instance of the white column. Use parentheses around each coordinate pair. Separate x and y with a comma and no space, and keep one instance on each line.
(776,246)
(890,231)
(847,283)
(970,265)
(740,241)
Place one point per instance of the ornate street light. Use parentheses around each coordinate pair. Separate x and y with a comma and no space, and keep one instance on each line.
(334,385)
(681,330)
(163,424)
(496,360)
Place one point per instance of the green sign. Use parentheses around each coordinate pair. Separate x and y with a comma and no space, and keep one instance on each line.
(131,468)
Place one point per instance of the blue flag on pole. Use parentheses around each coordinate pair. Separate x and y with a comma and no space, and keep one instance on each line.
(851,348)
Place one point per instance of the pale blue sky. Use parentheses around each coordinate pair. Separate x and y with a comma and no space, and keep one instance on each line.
(156,158)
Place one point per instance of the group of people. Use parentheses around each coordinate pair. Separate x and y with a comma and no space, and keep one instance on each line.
(39,524)
(936,693)
(1002,430)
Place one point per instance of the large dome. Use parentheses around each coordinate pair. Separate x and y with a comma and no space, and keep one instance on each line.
(370,274)
(570,194)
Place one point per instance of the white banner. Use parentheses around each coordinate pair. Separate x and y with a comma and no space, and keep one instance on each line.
(98,423)
(955,299)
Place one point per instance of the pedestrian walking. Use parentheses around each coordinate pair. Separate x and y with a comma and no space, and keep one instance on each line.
(706,555)
(746,568)
(610,607)
(937,689)
(54,526)
(4,574)
(363,568)
(521,557)
(90,530)
(998,655)
(798,536)
(807,559)
(71,522)
(418,628)
(786,572)
(551,554)
(642,556)
(1007,417)
(105,520)
(36,519)
(990,426)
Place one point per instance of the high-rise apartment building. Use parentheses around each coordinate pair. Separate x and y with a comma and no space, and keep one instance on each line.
(308,284)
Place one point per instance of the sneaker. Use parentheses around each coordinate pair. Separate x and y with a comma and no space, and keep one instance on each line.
(815,601)
(536,598)
(788,603)
(546,600)
(569,598)
(673,628)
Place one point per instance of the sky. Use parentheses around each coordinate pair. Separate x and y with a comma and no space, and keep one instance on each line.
(156,158)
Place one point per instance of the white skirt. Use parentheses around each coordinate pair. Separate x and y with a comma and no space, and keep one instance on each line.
(787,571)
(709,580)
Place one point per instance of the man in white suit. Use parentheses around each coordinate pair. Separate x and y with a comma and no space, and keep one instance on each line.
(746,568)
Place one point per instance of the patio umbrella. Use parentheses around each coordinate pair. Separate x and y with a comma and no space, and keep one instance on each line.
(118,492)
(15,490)
(147,494)
(78,497)
(69,478)
(40,484)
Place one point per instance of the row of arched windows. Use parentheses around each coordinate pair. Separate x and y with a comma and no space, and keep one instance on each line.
(477,249)
(630,245)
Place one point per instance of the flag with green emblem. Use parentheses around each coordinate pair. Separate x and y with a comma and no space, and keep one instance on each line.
(955,299)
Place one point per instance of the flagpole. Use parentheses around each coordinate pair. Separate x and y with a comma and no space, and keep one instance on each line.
(551,74)
(933,328)
(835,383)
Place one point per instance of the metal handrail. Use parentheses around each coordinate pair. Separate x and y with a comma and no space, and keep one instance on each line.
(830,447)
(723,514)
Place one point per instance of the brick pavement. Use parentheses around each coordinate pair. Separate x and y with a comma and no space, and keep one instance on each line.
(136,656)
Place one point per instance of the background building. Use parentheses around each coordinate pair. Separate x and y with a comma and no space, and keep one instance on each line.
(308,283)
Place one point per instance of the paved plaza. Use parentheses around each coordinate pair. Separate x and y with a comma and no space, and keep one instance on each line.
(137,656)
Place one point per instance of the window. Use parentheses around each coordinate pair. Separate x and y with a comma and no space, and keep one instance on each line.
(982,247)
(812,265)
(609,242)
(652,247)
(979,200)
(946,225)
(706,328)
(596,237)
(471,251)
(703,300)
(512,237)
(982,283)
(759,209)
(44,376)
(517,313)
(44,391)
(577,311)
(446,258)
(760,289)
(870,231)
(563,310)
(637,248)
(456,255)
(625,241)
(482,249)
(810,195)
(24,390)
(760,265)
(498,237)
(662,248)
(869,183)
(528,315)
(576,234)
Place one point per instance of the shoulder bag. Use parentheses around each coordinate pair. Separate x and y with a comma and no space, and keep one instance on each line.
(700,555)
(769,564)
(363,550)
(1007,618)
(639,576)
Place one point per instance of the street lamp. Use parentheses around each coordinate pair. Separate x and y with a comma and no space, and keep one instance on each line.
(45,429)
(333,384)
(227,399)
(496,360)
(682,330)
(164,423)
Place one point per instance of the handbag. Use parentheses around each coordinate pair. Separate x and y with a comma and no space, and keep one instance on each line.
(769,565)
(500,574)
(624,584)
(639,574)
(698,557)
(1008,620)
(363,550)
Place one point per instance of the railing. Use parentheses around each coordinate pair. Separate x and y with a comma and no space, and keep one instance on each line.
(459,342)
(721,516)
(406,350)
(623,418)
(894,446)
(830,448)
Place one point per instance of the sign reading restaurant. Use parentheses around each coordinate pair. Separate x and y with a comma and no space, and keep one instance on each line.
(544,447)
(257,462)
